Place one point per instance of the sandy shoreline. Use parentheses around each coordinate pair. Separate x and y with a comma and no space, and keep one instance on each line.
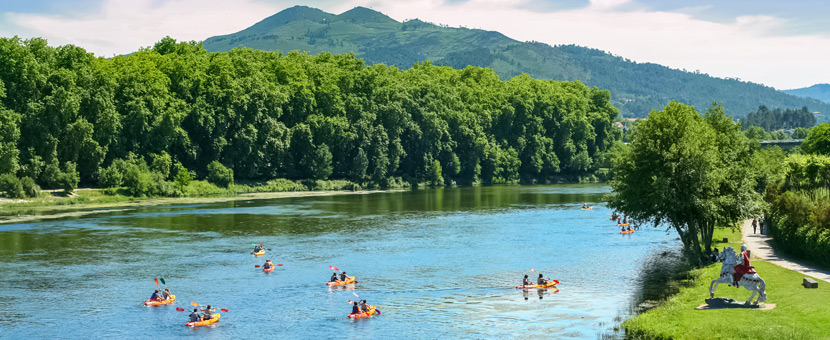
(126,206)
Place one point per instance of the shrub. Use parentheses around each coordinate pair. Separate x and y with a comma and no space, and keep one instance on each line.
(161,163)
(11,187)
(69,179)
(183,177)
(219,174)
(30,188)
(110,177)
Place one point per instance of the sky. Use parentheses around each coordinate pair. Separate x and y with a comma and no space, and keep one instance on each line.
(783,44)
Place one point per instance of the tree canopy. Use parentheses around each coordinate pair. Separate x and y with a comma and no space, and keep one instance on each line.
(266,115)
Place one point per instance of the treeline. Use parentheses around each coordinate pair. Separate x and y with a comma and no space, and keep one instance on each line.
(69,117)
(778,119)
(799,208)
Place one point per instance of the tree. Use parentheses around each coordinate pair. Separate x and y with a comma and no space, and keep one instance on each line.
(818,140)
(9,135)
(678,172)
(69,178)
(161,163)
(183,177)
(359,166)
(219,174)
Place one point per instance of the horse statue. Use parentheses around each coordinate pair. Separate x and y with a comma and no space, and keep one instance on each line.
(750,281)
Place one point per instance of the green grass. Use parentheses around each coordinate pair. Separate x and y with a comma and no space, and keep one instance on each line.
(800,313)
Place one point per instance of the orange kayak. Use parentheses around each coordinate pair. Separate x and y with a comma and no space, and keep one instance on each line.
(364,314)
(623,224)
(549,284)
(348,281)
(627,231)
(212,320)
(160,302)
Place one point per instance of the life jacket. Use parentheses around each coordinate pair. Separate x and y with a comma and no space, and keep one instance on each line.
(194,316)
(355,308)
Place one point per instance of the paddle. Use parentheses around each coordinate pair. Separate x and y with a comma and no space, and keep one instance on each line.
(198,305)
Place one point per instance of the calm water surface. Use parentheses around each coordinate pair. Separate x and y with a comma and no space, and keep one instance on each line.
(437,263)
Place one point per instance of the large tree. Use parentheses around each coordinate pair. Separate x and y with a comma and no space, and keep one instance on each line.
(686,171)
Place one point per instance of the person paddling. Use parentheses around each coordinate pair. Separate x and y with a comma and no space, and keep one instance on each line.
(356,308)
(541,281)
(166,294)
(195,317)
(268,264)
(333,277)
(584,205)
(156,296)
(526,281)
(343,276)
(208,313)
(257,248)
(363,306)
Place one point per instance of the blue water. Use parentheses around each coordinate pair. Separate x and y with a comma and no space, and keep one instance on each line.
(437,263)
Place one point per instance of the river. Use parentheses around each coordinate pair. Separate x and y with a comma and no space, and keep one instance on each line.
(438,263)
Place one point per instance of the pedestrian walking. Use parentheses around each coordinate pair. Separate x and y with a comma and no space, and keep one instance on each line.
(754,226)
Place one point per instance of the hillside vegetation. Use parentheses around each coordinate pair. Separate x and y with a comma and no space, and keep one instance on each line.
(636,88)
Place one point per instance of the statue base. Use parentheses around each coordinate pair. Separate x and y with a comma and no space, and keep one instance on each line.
(724,303)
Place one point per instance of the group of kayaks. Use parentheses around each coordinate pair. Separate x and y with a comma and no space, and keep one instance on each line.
(622,223)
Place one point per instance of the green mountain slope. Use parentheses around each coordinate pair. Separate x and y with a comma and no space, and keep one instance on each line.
(637,88)
(817,91)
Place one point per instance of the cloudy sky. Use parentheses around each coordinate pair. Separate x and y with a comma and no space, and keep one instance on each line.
(783,44)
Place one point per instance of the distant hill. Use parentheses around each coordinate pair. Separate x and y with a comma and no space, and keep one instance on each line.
(636,88)
(818,91)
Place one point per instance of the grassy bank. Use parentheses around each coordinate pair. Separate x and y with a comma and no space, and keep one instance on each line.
(86,201)
(799,313)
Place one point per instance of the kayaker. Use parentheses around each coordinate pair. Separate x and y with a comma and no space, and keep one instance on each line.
(156,296)
(622,229)
(257,248)
(333,277)
(194,317)
(166,294)
(343,276)
(628,228)
(356,308)
(614,215)
(541,281)
(526,281)
(208,313)
(364,306)
(268,264)
(584,205)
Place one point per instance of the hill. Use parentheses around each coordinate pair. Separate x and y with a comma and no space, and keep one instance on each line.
(817,91)
(637,88)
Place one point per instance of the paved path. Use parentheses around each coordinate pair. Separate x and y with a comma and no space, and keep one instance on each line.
(759,246)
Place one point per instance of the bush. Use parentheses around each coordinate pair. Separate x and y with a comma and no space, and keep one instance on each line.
(11,187)
(219,174)
(30,188)
(161,163)
(183,177)
(69,179)
(110,177)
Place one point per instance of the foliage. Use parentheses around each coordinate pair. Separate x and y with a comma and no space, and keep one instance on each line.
(637,88)
(11,187)
(779,119)
(264,115)
(183,177)
(689,171)
(818,140)
(69,178)
(30,188)
(219,174)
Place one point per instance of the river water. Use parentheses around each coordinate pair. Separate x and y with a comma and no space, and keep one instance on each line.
(438,263)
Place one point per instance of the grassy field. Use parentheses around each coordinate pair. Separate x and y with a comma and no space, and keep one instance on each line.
(800,313)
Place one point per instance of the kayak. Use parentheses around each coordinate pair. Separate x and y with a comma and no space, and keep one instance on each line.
(547,285)
(623,224)
(268,270)
(364,314)
(348,281)
(213,320)
(627,231)
(160,302)
(588,208)
(260,252)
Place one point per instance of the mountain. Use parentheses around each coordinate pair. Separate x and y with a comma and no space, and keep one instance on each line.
(636,88)
(818,91)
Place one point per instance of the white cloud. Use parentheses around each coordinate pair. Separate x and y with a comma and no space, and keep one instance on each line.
(747,48)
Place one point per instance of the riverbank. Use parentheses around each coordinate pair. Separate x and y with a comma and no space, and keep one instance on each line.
(800,313)
(92,201)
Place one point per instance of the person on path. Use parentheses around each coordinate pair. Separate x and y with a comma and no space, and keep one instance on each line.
(754,226)
(743,268)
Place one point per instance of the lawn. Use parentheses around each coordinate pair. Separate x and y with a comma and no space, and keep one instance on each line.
(800,313)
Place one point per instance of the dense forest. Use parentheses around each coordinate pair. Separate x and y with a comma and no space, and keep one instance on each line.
(778,119)
(174,110)
(636,88)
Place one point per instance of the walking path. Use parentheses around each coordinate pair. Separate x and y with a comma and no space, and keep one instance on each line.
(759,246)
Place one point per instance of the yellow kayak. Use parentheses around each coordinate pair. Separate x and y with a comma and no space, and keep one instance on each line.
(214,319)
(160,302)
(260,253)
(348,281)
